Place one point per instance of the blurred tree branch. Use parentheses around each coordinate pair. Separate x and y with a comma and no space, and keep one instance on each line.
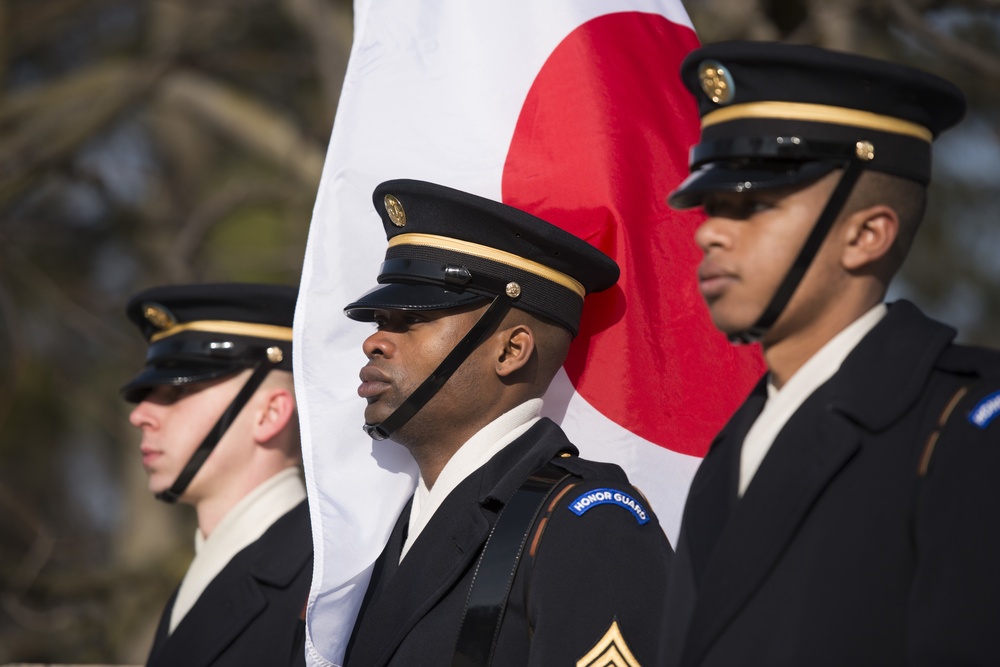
(53,120)
(963,53)
(246,121)
(192,234)
(330,27)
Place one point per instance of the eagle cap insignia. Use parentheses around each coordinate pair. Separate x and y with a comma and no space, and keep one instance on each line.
(609,651)
(158,316)
(395,210)
(716,81)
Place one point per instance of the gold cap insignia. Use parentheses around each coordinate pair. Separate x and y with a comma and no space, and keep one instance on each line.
(395,210)
(609,651)
(716,81)
(158,316)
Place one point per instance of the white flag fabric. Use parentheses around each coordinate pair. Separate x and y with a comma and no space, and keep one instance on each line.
(572,110)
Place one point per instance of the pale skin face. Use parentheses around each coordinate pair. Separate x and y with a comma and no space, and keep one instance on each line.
(174,420)
(259,443)
(750,241)
(406,349)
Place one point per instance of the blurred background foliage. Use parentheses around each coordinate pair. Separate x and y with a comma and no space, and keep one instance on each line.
(153,141)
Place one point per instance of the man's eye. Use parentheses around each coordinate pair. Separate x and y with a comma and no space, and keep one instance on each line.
(167,394)
(735,210)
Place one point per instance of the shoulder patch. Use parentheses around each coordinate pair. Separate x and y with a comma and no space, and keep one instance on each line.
(986,410)
(606,496)
(609,651)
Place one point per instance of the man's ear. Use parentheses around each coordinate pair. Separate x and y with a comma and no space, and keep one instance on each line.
(517,346)
(277,409)
(871,234)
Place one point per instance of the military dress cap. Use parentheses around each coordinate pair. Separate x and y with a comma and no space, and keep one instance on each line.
(202,332)
(775,115)
(449,248)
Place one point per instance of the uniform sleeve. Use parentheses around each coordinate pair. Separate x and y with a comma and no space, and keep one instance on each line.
(595,593)
(955,601)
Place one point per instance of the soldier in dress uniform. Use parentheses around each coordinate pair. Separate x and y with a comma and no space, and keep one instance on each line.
(513,550)
(216,407)
(846,514)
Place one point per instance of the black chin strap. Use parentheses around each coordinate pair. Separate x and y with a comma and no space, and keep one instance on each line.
(194,464)
(498,309)
(806,255)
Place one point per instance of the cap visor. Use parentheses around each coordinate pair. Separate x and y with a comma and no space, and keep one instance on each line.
(747,178)
(400,296)
(182,373)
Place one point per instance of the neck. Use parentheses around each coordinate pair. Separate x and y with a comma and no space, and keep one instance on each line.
(433,453)
(433,448)
(212,509)
(787,348)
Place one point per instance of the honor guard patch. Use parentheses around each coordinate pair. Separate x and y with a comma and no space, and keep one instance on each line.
(609,651)
(985,411)
(597,497)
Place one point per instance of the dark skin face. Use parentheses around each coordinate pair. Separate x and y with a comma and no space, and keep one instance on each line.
(750,240)
(402,353)
(502,372)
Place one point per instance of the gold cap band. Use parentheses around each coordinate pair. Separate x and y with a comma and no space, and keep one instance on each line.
(477,250)
(271,331)
(819,113)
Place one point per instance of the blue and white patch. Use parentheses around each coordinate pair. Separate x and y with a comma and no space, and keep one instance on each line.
(597,497)
(985,411)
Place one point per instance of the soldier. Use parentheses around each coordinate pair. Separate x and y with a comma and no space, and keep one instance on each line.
(513,550)
(846,514)
(216,408)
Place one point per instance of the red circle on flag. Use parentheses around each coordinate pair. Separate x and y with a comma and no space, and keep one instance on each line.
(602,139)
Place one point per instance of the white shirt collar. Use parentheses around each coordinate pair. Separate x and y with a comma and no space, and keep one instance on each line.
(471,456)
(782,404)
(242,525)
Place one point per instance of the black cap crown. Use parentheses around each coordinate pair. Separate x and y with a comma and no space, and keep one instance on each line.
(781,114)
(449,248)
(202,332)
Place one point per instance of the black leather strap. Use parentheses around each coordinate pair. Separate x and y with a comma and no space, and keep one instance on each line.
(805,257)
(197,459)
(494,575)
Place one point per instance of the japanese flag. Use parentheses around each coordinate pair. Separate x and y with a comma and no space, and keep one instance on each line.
(571,110)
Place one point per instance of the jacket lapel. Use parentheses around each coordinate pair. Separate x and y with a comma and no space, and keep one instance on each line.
(234,598)
(792,476)
(226,611)
(445,550)
(710,501)
(714,486)
(880,379)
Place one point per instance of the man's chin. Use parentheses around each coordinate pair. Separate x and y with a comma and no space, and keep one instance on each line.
(375,415)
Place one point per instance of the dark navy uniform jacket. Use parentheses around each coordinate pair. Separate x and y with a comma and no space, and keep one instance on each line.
(250,613)
(592,574)
(869,535)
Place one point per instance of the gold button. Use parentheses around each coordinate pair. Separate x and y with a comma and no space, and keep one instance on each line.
(274,354)
(513,290)
(865,150)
